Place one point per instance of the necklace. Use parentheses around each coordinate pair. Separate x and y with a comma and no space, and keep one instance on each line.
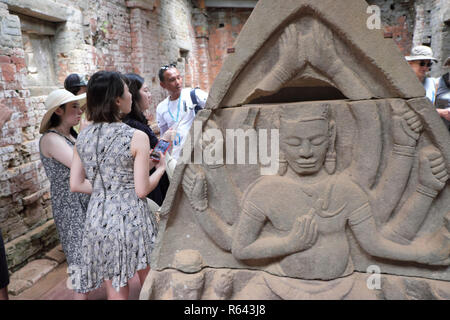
(69,137)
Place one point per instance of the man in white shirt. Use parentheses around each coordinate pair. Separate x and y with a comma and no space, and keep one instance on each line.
(178,110)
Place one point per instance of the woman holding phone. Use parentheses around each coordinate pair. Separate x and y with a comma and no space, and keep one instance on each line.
(120,231)
(141,98)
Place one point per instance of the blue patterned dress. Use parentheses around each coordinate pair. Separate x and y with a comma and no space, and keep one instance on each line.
(120,231)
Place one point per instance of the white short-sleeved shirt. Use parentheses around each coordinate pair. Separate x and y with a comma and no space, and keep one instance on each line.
(430,85)
(168,115)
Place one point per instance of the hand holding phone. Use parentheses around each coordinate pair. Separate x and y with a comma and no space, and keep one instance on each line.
(162,146)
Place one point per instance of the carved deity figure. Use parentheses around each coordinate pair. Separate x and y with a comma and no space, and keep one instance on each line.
(362,176)
(299,218)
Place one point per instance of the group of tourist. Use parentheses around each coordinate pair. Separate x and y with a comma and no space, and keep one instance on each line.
(105,189)
(107,228)
(437,89)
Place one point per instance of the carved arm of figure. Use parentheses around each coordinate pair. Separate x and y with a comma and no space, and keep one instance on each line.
(432,251)
(288,63)
(406,129)
(432,179)
(318,42)
(247,245)
(195,186)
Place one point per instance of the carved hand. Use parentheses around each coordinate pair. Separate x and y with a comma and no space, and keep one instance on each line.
(289,47)
(406,128)
(212,143)
(303,234)
(432,169)
(195,186)
(437,250)
(321,49)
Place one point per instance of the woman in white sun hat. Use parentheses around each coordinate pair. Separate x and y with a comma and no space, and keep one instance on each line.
(56,150)
(421,60)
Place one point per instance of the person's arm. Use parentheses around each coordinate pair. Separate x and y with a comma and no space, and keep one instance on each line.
(444,113)
(78,181)
(162,124)
(55,147)
(140,149)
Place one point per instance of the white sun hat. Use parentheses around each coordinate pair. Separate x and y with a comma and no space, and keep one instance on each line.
(56,99)
(421,53)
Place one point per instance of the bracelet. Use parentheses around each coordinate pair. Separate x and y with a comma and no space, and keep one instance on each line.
(404,150)
(427,191)
(281,74)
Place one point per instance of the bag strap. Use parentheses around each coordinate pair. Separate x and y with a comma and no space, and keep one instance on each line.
(104,155)
(197,107)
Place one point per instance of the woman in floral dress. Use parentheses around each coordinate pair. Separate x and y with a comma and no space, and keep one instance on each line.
(111,162)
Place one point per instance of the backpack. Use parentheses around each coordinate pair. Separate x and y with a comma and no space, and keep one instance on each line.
(197,107)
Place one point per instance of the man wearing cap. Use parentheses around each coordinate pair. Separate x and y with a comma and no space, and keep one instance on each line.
(76,83)
(421,60)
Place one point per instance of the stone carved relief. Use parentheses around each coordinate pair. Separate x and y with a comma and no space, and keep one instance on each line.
(310,53)
(361,181)
(308,48)
(329,202)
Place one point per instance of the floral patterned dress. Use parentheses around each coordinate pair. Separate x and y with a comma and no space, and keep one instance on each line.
(69,208)
(120,231)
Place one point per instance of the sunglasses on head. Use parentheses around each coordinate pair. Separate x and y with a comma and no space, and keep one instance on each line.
(168,66)
(424,63)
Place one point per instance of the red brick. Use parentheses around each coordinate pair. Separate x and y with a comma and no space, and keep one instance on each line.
(5,59)
(8,71)
(19,62)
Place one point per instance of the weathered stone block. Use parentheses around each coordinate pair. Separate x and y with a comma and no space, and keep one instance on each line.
(56,254)
(24,247)
(30,274)
(357,179)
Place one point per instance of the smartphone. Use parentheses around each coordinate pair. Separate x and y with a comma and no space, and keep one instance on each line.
(161,146)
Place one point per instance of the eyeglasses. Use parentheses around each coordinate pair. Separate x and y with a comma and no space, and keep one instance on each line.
(168,66)
(424,63)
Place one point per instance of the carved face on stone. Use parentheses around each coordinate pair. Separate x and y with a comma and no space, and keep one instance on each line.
(305,144)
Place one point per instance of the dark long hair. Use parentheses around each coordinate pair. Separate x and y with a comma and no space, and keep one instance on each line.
(135,83)
(102,90)
(55,121)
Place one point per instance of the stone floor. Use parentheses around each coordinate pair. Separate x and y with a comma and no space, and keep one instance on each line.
(45,279)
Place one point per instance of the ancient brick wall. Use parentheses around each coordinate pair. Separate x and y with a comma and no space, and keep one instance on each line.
(37,51)
(224,27)
(418,22)
(25,209)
